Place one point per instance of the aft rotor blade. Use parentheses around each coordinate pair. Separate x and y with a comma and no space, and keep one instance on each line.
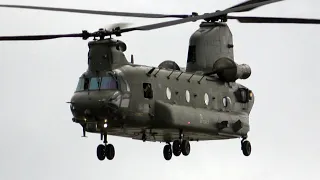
(195,18)
(244,19)
(84,35)
(111,13)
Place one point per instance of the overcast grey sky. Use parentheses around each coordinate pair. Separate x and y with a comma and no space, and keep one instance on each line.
(39,140)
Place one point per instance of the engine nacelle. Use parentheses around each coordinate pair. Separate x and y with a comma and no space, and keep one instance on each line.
(227,70)
(243,71)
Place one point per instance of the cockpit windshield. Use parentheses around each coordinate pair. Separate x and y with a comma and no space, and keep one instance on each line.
(96,83)
(108,83)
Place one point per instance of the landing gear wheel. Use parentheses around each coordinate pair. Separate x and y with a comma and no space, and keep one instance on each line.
(167,152)
(246,147)
(176,147)
(101,152)
(185,147)
(110,152)
(144,137)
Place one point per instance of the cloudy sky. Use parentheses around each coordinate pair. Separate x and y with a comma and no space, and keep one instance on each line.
(39,140)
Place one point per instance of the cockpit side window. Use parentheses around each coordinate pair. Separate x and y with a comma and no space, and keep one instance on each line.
(94,84)
(122,83)
(80,86)
(108,83)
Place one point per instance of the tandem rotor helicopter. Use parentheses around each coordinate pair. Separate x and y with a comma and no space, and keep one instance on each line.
(166,103)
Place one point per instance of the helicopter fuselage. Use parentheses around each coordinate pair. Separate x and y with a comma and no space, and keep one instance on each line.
(133,100)
(204,102)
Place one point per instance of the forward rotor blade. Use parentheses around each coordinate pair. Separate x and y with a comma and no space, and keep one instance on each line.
(84,35)
(130,14)
(195,18)
(247,3)
(111,13)
(244,19)
(121,25)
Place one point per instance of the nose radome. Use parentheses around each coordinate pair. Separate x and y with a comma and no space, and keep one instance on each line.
(94,100)
(98,99)
(95,105)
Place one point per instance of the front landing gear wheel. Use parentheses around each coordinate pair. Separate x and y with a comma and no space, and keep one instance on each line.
(185,147)
(176,147)
(110,152)
(167,152)
(101,152)
(246,147)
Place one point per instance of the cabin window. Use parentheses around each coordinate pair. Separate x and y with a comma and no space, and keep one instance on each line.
(192,54)
(108,83)
(243,95)
(147,90)
(226,101)
(187,96)
(94,84)
(168,92)
(206,99)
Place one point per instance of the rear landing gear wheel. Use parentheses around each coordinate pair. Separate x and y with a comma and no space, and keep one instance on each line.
(101,152)
(176,147)
(167,152)
(144,137)
(185,147)
(110,152)
(246,147)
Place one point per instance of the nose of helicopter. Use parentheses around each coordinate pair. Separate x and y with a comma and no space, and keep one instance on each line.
(94,103)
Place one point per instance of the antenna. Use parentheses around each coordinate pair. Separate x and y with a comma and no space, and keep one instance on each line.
(132,61)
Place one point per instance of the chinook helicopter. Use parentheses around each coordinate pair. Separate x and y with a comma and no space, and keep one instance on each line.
(166,103)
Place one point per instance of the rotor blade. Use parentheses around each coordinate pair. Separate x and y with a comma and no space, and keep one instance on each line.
(195,18)
(247,3)
(121,25)
(244,19)
(112,13)
(84,35)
